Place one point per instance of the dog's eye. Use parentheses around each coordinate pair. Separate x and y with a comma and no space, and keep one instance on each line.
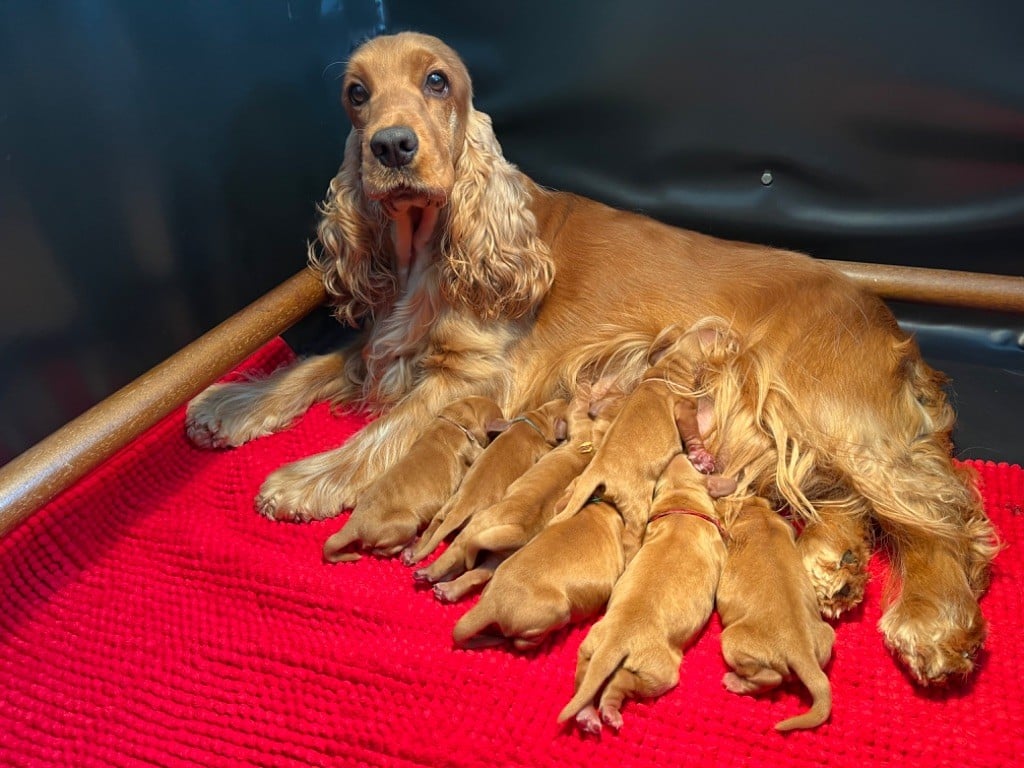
(357,95)
(437,83)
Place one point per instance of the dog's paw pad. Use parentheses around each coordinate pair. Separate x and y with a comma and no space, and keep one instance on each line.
(205,434)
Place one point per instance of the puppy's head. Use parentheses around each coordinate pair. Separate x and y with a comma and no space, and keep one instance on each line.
(474,414)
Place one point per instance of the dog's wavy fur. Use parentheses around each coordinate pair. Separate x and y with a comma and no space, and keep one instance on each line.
(470,279)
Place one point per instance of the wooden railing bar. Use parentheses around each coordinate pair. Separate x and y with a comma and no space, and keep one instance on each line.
(54,464)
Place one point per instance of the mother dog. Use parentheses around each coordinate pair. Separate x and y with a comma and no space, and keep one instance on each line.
(470,279)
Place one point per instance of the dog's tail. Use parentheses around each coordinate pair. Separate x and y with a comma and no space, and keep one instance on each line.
(603,664)
(811,675)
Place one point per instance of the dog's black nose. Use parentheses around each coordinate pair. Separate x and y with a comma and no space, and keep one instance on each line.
(395,146)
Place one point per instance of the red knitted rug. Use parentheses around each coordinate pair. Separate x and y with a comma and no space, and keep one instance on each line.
(150,616)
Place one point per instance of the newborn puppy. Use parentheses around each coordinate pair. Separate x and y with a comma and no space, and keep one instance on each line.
(522,441)
(393,508)
(646,434)
(527,507)
(664,598)
(771,625)
(564,574)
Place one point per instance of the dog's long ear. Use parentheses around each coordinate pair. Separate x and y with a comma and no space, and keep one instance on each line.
(348,253)
(494,263)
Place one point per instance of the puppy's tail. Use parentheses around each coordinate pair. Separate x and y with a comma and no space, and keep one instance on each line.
(817,683)
(603,664)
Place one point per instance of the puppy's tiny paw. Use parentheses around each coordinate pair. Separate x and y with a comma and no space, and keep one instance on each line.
(720,485)
(702,460)
(408,558)
(589,721)
(736,684)
(611,717)
(443,593)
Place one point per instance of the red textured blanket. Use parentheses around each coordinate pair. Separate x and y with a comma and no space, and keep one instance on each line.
(149,616)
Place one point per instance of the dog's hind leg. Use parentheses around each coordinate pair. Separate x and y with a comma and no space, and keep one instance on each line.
(835,549)
(933,521)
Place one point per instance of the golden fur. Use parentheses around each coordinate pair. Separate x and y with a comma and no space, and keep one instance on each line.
(643,438)
(659,605)
(564,574)
(771,628)
(521,443)
(392,509)
(526,508)
(469,278)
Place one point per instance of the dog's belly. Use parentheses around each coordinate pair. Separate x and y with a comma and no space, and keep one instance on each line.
(619,272)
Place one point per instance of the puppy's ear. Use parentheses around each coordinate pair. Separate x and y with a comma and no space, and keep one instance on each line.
(494,427)
(561,429)
(348,253)
(495,264)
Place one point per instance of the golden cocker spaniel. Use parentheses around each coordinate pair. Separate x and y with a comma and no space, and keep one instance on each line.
(470,279)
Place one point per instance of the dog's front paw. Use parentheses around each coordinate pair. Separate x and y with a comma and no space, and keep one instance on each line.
(312,489)
(935,642)
(227,416)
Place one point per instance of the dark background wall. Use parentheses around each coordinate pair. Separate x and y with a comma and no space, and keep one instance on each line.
(160,161)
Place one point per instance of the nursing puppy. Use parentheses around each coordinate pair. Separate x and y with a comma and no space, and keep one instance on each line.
(522,442)
(527,507)
(392,509)
(771,625)
(654,422)
(564,574)
(663,600)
